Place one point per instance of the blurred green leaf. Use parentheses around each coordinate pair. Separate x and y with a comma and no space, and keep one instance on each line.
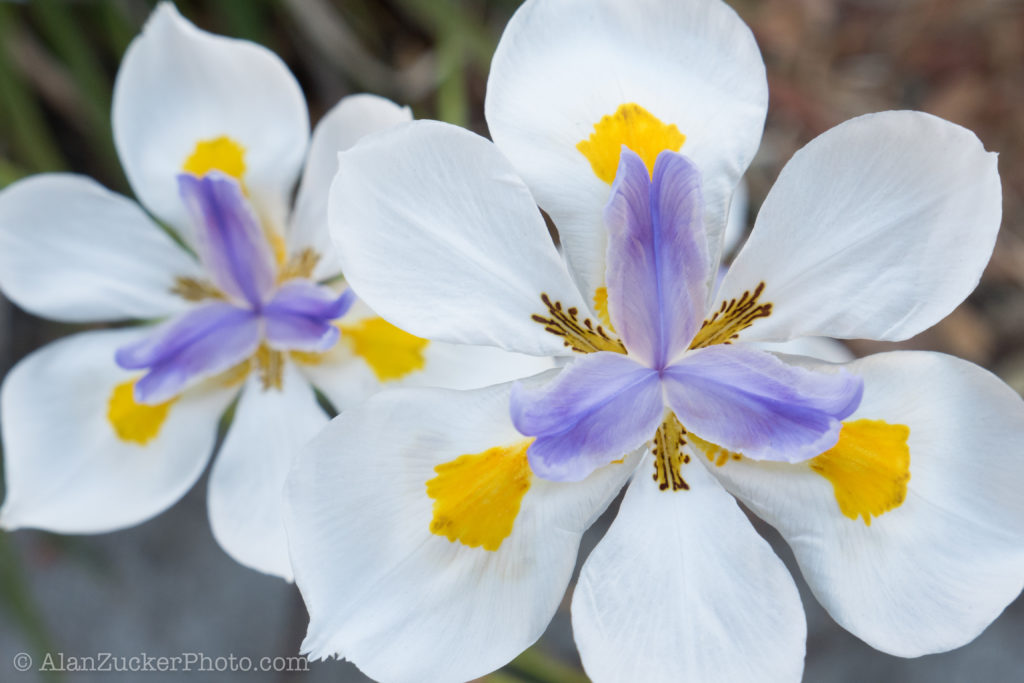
(20,114)
(62,29)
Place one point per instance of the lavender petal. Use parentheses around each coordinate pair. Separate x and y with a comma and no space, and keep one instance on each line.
(203,342)
(751,402)
(657,273)
(599,408)
(300,316)
(231,242)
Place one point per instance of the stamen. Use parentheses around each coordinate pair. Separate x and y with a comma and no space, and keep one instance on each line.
(193,289)
(270,365)
(582,337)
(735,315)
(299,265)
(669,455)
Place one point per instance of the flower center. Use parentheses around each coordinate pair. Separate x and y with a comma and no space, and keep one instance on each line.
(251,309)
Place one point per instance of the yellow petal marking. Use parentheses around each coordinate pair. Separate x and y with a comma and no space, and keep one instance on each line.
(635,127)
(601,307)
(869,468)
(715,453)
(279,248)
(391,353)
(477,497)
(136,422)
(221,154)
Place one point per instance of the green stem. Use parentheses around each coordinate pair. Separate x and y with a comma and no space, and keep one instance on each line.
(537,666)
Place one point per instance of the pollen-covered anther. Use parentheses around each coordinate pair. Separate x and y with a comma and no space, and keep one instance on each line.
(300,265)
(669,455)
(582,336)
(734,316)
(194,289)
(270,365)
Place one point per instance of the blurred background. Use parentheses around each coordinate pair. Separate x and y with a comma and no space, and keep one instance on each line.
(165,587)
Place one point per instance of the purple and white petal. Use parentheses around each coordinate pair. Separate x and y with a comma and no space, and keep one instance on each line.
(750,402)
(231,243)
(300,316)
(657,274)
(598,409)
(203,342)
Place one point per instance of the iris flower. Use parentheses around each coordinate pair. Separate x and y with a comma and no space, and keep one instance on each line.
(107,428)
(433,532)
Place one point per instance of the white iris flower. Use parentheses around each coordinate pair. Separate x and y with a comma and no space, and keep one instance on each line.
(434,532)
(105,429)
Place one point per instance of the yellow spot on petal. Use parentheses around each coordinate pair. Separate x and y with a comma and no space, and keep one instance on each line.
(601,307)
(221,154)
(477,497)
(278,247)
(391,353)
(713,452)
(635,127)
(136,422)
(869,468)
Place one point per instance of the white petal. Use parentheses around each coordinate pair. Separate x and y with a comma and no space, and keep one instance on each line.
(340,128)
(73,251)
(246,494)
(931,574)
(736,227)
(682,588)
(440,237)
(66,469)
(346,379)
(178,86)
(381,589)
(876,229)
(561,66)
(822,348)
